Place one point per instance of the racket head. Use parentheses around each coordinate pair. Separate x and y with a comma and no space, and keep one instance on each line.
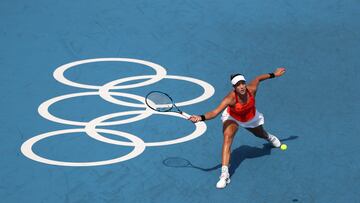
(176,162)
(159,101)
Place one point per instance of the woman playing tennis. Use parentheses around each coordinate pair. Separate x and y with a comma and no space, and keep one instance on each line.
(239,109)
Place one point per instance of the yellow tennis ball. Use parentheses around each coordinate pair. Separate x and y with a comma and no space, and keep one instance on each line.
(283,147)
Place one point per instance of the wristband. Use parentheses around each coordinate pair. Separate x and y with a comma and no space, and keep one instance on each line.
(202,117)
(272,75)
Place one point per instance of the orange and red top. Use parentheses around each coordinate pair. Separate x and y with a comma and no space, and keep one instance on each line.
(243,112)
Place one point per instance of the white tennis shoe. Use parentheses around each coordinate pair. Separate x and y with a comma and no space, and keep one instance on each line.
(274,140)
(224,180)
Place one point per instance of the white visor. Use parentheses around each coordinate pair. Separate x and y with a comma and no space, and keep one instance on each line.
(237,78)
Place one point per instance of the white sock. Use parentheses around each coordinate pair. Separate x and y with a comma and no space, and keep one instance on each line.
(224,169)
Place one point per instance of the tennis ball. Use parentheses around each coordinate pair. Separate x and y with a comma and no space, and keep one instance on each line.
(283,147)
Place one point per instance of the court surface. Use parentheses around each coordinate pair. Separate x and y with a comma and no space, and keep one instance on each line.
(106,55)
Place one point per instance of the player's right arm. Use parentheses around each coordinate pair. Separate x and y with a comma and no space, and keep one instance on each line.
(212,114)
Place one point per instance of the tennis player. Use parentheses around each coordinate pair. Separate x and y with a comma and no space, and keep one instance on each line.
(239,109)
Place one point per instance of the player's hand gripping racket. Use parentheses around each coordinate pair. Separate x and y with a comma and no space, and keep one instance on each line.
(162,102)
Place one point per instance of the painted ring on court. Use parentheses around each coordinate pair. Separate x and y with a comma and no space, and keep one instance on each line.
(26,148)
(44,109)
(106,95)
(91,130)
(59,72)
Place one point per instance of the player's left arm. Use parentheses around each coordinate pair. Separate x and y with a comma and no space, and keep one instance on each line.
(254,84)
(212,114)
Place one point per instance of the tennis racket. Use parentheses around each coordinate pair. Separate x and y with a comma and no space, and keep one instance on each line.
(162,102)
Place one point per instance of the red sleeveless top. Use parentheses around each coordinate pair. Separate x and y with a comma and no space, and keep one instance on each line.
(243,112)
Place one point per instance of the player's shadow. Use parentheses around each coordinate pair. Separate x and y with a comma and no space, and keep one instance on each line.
(243,152)
(238,155)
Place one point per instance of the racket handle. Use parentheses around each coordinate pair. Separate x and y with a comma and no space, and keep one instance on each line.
(187,116)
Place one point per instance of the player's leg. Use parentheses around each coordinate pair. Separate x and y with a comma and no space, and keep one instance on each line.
(229,130)
(260,132)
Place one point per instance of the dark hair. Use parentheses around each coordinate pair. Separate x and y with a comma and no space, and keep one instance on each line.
(234,75)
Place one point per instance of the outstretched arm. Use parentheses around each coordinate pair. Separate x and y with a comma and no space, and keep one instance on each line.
(212,114)
(253,85)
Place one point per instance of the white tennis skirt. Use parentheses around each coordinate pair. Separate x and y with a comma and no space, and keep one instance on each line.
(254,122)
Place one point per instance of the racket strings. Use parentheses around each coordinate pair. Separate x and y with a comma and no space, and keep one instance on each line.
(159,101)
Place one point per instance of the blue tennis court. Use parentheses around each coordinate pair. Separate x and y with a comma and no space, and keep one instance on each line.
(74,74)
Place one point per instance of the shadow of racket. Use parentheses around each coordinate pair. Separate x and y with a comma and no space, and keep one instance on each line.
(178,162)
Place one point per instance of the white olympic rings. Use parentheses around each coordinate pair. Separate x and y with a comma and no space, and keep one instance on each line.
(106,95)
(44,109)
(90,128)
(26,148)
(59,72)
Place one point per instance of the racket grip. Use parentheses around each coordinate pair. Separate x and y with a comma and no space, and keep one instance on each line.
(187,116)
